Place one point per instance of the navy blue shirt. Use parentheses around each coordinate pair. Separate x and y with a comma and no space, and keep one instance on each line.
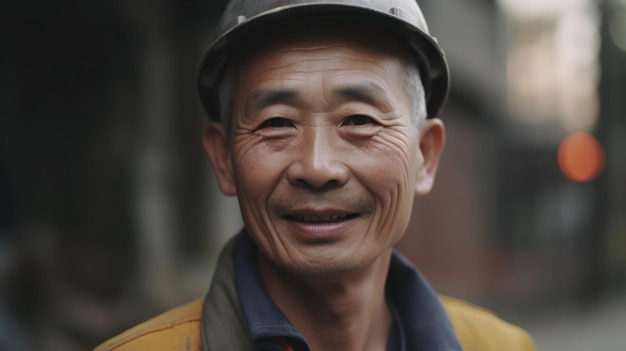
(419,321)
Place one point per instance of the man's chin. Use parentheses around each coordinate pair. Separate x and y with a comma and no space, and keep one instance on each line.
(324,267)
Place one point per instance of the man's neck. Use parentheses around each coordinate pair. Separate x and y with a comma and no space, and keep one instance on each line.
(347,312)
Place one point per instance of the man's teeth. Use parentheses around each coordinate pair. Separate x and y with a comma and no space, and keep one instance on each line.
(320,219)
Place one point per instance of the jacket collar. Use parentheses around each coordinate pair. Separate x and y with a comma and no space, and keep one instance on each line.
(223,325)
(229,319)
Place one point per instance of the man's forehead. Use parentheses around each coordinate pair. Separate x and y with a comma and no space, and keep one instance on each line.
(369,92)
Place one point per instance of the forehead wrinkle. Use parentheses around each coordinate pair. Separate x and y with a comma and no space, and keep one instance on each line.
(368,57)
(262,98)
(370,93)
(310,47)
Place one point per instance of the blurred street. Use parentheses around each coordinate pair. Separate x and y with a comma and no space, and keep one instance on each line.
(599,327)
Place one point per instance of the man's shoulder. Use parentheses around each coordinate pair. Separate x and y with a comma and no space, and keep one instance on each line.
(480,329)
(177,329)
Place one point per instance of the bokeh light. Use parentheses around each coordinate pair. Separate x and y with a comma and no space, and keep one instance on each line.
(581,157)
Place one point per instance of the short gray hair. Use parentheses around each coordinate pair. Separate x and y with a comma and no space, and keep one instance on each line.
(415,89)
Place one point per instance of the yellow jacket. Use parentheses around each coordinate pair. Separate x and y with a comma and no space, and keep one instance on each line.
(181,328)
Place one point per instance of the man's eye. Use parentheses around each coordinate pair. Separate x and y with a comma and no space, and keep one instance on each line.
(358,120)
(275,122)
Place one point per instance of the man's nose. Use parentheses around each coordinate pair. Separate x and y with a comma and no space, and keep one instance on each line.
(318,161)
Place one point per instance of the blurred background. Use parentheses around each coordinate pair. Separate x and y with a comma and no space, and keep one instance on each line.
(109,213)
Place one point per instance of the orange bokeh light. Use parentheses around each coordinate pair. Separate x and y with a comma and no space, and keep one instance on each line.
(581,157)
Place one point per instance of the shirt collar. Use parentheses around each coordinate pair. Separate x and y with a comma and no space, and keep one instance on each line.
(424,322)
(265,320)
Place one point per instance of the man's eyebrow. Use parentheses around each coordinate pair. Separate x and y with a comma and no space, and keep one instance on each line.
(262,98)
(369,93)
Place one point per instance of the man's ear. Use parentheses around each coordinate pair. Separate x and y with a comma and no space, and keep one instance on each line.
(217,148)
(432,140)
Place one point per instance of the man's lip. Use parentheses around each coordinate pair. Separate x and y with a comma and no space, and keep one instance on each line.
(328,218)
(320,216)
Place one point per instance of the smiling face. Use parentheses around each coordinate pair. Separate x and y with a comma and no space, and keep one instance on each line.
(324,154)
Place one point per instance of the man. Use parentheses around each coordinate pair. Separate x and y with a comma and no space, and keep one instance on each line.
(323,125)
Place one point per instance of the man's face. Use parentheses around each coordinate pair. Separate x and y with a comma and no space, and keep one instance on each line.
(324,154)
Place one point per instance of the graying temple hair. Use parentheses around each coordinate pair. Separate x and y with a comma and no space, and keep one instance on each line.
(412,82)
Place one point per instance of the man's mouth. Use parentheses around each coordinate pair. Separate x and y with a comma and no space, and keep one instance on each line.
(320,218)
